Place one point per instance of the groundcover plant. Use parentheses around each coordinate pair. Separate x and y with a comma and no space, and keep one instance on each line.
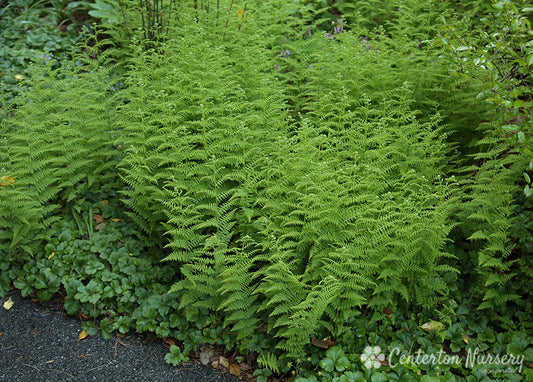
(331,190)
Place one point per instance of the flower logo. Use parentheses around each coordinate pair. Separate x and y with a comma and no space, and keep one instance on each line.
(372,357)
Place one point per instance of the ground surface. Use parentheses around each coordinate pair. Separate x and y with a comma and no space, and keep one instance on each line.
(38,343)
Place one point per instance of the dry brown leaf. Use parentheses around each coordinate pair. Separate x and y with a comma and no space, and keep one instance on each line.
(83,334)
(214,364)
(100,226)
(98,218)
(8,304)
(326,343)
(168,342)
(235,369)
(224,362)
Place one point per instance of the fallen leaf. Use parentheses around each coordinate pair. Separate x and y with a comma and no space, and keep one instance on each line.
(83,335)
(51,255)
(205,356)
(104,202)
(8,304)
(387,311)
(433,325)
(214,364)
(50,361)
(98,218)
(19,77)
(224,362)
(326,343)
(1,334)
(6,181)
(115,220)
(100,226)
(235,369)
(465,338)
(168,342)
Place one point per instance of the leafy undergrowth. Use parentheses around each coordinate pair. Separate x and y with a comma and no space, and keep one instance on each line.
(94,263)
(32,31)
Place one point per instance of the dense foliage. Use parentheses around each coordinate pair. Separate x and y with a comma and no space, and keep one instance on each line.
(282,179)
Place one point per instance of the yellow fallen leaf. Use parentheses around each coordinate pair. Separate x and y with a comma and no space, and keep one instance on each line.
(83,334)
(6,180)
(104,202)
(115,220)
(433,325)
(51,255)
(8,304)
(465,338)
(235,369)
(19,77)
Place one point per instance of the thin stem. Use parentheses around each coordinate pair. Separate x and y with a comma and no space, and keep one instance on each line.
(242,16)
(142,14)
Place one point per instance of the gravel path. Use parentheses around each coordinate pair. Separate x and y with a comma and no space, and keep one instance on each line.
(39,344)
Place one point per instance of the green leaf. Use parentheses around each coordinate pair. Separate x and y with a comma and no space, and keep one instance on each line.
(342,364)
(72,306)
(518,345)
(380,377)
(327,364)
(90,327)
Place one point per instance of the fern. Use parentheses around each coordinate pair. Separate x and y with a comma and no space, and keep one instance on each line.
(59,145)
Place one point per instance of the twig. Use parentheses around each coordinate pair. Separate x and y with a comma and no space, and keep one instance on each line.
(126,345)
(25,364)
(61,371)
(142,360)
(98,367)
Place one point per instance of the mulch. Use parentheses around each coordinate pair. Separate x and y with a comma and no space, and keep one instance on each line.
(38,342)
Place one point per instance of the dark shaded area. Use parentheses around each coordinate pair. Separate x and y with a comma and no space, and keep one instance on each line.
(40,344)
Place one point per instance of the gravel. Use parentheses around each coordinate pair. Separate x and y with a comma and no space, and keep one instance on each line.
(40,344)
